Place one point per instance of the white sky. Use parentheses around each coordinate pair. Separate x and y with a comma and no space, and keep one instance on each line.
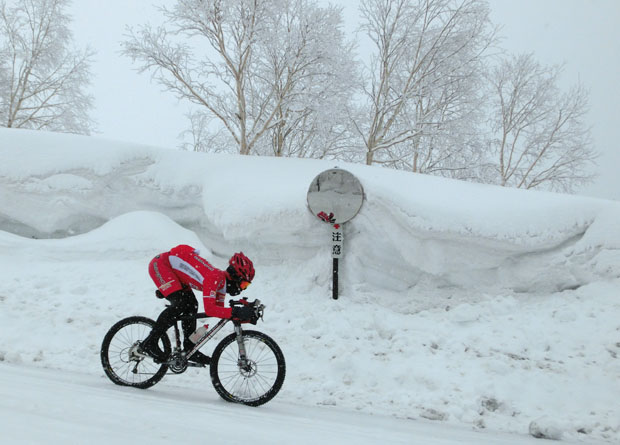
(582,34)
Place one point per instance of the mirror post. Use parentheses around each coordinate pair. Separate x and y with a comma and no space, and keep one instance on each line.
(337,240)
(335,196)
(335,279)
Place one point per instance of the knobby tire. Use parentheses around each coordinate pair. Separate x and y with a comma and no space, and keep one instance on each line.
(123,369)
(254,385)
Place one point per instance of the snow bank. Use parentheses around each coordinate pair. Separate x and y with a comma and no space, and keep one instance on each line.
(460,303)
(412,229)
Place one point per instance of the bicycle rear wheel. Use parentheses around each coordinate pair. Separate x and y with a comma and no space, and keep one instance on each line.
(253,382)
(119,357)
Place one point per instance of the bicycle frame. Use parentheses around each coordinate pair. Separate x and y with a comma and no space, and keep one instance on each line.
(246,366)
(209,335)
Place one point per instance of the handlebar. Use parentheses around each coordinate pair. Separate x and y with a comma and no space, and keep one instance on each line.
(259,308)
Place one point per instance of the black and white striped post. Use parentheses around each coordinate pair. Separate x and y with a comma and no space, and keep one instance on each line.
(337,240)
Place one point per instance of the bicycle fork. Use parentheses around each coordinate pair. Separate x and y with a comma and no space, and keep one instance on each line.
(242,361)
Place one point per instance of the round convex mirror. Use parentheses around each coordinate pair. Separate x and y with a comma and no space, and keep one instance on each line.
(336,192)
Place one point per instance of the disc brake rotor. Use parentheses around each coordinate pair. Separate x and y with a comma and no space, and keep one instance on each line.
(247,368)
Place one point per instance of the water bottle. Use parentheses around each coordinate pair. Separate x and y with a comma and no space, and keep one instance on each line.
(199,333)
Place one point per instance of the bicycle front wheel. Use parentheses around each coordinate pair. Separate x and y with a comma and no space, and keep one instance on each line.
(120,359)
(253,381)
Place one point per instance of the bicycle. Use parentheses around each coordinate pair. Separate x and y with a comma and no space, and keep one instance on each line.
(246,366)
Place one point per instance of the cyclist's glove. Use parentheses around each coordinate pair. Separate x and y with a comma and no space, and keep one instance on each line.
(244,313)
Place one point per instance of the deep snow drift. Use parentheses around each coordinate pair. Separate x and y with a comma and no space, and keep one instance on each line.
(462,303)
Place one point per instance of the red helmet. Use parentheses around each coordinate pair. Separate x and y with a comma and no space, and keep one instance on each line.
(242,266)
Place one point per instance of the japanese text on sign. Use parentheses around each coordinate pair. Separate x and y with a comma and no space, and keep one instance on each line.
(337,239)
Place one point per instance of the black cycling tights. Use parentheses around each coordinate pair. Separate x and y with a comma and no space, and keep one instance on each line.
(182,303)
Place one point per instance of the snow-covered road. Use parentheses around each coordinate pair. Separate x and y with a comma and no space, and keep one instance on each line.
(45,406)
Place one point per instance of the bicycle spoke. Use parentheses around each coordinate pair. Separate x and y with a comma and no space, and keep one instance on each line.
(250,379)
(119,361)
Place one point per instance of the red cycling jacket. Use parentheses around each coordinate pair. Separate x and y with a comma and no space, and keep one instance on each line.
(183,265)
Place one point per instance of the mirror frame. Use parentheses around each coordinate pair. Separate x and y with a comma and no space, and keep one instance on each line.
(355,195)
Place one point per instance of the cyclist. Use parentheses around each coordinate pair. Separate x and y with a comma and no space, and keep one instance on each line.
(179,270)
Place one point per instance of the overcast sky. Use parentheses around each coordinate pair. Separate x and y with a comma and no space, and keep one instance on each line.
(584,35)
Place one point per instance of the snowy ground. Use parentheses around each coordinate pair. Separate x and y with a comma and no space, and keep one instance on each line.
(44,406)
(469,307)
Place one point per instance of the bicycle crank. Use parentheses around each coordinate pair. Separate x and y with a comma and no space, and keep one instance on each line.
(177,362)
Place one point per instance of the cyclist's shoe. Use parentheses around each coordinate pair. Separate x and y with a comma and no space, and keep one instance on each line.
(153,351)
(198,356)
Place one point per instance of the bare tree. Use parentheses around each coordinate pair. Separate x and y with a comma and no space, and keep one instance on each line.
(424,76)
(258,74)
(42,80)
(306,62)
(539,134)
(447,140)
(230,30)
